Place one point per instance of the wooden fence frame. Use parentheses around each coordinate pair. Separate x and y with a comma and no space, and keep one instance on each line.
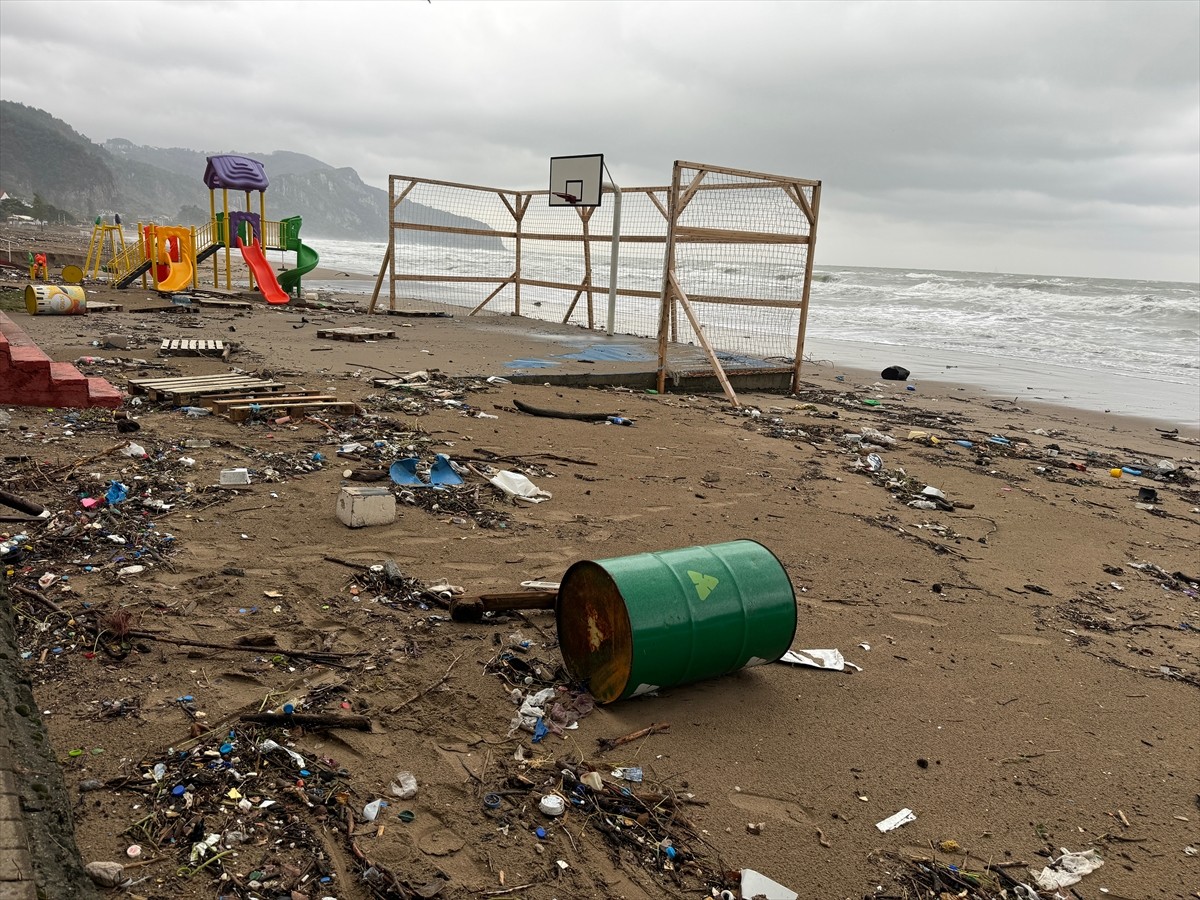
(671,296)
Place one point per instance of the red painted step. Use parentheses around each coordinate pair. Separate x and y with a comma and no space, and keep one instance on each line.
(28,377)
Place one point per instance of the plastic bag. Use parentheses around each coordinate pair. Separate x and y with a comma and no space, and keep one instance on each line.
(517,486)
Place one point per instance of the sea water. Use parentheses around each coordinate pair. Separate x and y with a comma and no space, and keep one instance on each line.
(1096,343)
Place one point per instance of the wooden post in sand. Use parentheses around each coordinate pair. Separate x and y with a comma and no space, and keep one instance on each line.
(667,301)
(811,211)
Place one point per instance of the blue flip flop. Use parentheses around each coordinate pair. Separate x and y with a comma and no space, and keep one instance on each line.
(404,471)
(442,472)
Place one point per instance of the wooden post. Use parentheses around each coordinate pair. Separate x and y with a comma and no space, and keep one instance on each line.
(522,206)
(585,217)
(389,258)
(815,210)
(664,312)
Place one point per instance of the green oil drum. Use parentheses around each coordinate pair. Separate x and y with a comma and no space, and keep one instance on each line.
(634,624)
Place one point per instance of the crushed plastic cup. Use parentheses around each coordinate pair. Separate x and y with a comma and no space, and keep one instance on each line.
(404,785)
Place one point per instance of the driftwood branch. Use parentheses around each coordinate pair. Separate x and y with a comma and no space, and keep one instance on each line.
(309,720)
(45,601)
(20,503)
(655,728)
(330,659)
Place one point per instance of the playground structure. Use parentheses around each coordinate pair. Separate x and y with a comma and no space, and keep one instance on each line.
(170,256)
(38,267)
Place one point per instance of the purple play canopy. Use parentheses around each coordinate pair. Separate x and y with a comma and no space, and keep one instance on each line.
(238,173)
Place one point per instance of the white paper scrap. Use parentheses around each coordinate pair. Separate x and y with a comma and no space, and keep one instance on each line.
(891,823)
(818,659)
(755,884)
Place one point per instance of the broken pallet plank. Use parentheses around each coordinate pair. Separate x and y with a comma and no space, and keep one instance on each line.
(356,333)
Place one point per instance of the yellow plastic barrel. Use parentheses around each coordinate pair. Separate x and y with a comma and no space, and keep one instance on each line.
(634,624)
(55,300)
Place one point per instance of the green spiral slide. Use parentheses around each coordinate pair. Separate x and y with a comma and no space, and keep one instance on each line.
(306,256)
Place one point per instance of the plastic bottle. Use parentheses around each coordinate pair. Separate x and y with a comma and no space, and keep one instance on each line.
(371,810)
(619,420)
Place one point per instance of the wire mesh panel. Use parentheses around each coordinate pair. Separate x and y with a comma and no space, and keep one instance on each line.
(451,243)
(566,256)
(740,262)
(510,252)
(722,258)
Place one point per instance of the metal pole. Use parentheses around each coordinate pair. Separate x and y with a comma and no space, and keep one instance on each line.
(616,249)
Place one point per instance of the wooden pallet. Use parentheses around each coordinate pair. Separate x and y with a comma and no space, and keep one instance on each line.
(276,405)
(418,314)
(214,303)
(192,347)
(356,333)
(190,388)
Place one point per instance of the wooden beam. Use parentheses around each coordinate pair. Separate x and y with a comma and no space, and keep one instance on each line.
(684,235)
(796,192)
(504,200)
(383,266)
(688,194)
(700,336)
(499,288)
(451,279)
(654,199)
(745,173)
(400,199)
(454,229)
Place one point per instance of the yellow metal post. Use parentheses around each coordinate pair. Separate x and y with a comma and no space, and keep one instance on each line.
(212,215)
(228,238)
(250,271)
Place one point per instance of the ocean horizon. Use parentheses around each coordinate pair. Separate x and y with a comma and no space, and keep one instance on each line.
(1131,347)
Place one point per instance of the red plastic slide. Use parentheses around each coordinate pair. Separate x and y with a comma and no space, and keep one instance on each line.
(267,282)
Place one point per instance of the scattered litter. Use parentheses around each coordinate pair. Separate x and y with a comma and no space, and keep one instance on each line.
(820,659)
(1067,870)
(404,785)
(892,822)
(518,487)
(755,884)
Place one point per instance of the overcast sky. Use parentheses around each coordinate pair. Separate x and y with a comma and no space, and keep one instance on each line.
(1049,137)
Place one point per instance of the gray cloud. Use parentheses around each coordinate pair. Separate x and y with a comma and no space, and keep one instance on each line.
(1047,137)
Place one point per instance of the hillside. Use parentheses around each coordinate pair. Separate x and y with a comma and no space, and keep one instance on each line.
(44,156)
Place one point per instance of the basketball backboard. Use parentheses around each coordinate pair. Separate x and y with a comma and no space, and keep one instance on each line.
(576,180)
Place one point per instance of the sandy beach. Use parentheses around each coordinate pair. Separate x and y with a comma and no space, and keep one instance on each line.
(1022,624)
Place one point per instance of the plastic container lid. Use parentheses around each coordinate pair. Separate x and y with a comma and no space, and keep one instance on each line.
(552,805)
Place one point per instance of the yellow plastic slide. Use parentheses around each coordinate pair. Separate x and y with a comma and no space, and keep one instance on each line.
(179,277)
